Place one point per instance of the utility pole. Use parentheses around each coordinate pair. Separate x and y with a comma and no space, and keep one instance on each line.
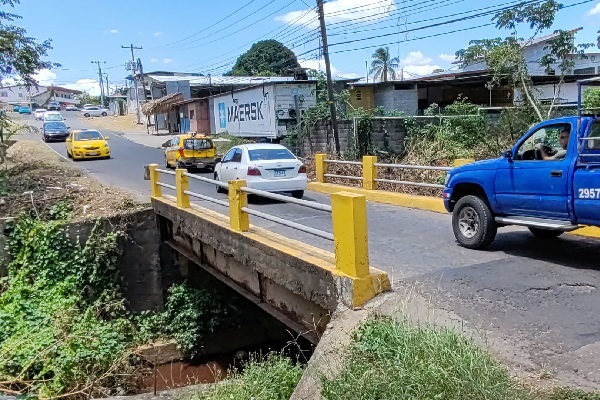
(100,80)
(107,87)
(331,101)
(134,66)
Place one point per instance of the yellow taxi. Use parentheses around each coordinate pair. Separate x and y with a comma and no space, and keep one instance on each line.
(190,151)
(87,143)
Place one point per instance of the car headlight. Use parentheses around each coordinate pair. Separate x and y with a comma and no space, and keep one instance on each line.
(446,180)
(105,144)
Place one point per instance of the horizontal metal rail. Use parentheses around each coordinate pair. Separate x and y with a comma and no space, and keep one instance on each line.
(408,166)
(166,185)
(354,178)
(207,180)
(343,162)
(166,171)
(290,224)
(421,184)
(207,198)
(275,196)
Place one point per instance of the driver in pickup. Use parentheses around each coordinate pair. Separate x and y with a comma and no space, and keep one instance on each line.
(563,138)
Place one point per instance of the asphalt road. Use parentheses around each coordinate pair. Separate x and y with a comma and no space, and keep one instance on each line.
(542,294)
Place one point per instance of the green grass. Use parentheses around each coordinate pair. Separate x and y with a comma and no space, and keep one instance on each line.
(272,379)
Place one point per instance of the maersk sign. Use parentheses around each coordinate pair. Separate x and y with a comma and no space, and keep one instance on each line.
(245,112)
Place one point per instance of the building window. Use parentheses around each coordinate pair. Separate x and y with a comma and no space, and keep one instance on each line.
(358,95)
(20,95)
(3,94)
(191,114)
(585,71)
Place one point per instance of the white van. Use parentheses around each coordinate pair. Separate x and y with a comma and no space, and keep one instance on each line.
(53,116)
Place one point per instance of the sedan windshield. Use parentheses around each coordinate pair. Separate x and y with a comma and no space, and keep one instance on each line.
(55,125)
(53,117)
(90,135)
(270,154)
(197,144)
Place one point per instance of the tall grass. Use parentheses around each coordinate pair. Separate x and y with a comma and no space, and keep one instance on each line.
(272,379)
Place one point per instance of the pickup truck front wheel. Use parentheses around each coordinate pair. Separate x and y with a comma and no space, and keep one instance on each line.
(473,223)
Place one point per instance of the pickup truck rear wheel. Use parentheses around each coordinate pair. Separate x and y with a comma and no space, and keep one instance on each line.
(545,233)
(473,223)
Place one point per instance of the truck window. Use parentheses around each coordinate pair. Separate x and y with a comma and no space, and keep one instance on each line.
(197,144)
(594,133)
(549,137)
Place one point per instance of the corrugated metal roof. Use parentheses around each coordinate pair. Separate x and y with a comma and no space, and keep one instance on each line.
(220,80)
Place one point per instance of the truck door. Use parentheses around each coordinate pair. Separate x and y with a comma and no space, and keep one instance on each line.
(528,185)
(586,179)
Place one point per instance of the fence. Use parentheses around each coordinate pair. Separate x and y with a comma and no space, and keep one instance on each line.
(348,214)
(370,167)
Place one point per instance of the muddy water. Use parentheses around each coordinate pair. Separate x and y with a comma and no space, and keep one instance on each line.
(182,373)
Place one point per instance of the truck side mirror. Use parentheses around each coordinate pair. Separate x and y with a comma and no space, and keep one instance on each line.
(508,155)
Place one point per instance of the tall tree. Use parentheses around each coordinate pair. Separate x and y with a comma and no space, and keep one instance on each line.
(265,58)
(505,57)
(382,66)
(20,56)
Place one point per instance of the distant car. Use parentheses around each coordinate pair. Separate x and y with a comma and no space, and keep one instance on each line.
(39,113)
(16,108)
(53,106)
(84,144)
(24,110)
(187,151)
(55,130)
(53,116)
(71,108)
(264,166)
(94,111)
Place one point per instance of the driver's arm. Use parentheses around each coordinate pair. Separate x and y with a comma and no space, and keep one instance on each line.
(545,155)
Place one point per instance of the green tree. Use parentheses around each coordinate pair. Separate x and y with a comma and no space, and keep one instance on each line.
(505,57)
(265,58)
(20,55)
(382,66)
(86,98)
(591,98)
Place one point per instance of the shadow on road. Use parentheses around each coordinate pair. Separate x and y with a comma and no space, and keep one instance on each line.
(568,250)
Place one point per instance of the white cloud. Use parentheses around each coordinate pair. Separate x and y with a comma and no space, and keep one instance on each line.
(157,34)
(319,65)
(342,10)
(595,10)
(45,77)
(447,57)
(114,31)
(154,60)
(420,70)
(90,86)
(167,60)
(415,58)
(141,33)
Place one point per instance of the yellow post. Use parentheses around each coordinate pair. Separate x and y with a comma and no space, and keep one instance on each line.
(369,171)
(238,220)
(181,185)
(349,217)
(462,161)
(154,179)
(320,167)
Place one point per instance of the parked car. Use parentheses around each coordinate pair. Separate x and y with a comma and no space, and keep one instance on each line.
(71,108)
(264,166)
(24,110)
(94,111)
(39,113)
(85,144)
(55,130)
(53,106)
(52,116)
(190,151)
(16,108)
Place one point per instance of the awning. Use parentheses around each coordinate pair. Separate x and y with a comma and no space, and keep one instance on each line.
(162,105)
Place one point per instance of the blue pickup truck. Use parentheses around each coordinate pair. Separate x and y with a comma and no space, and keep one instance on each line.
(548,182)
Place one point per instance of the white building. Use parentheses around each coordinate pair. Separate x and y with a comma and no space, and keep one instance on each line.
(40,95)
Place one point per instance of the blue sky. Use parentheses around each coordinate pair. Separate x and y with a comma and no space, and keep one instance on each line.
(206,36)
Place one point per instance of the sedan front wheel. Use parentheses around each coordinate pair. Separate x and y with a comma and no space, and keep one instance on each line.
(219,188)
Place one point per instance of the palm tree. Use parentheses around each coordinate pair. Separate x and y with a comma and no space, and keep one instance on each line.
(382,67)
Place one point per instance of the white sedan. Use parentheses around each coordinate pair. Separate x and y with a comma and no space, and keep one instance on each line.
(264,166)
(95,111)
(39,113)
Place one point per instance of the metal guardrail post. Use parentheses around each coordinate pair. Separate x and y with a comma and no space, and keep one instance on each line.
(320,167)
(238,220)
(369,171)
(349,218)
(462,161)
(155,189)
(181,185)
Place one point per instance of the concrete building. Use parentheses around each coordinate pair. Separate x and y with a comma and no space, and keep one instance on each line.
(38,96)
